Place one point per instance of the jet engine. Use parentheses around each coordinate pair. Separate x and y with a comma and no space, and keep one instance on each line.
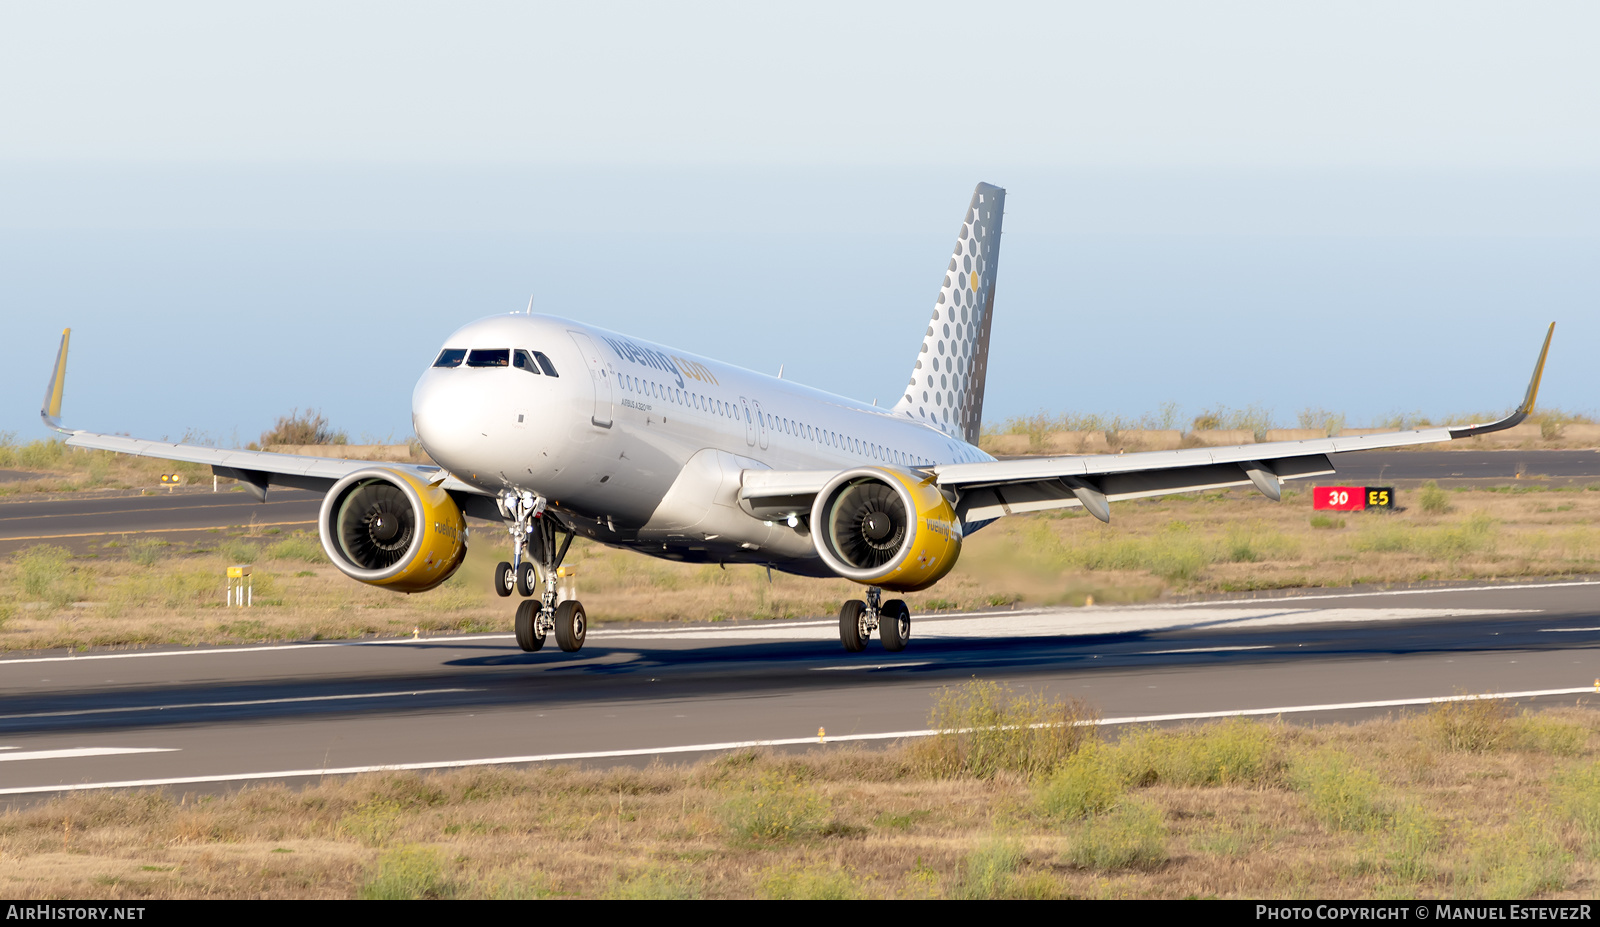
(389,528)
(884,527)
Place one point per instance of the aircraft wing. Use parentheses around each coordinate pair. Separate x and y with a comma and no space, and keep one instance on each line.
(990,489)
(255,470)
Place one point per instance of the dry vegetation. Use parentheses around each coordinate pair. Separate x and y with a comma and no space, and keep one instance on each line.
(1259,419)
(134,590)
(1469,800)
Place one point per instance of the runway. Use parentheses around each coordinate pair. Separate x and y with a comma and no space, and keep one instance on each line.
(211,719)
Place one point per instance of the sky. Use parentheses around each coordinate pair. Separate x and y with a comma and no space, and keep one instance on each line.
(1365,207)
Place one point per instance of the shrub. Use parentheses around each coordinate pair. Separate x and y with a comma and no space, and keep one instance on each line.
(298,547)
(773,809)
(1433,500)
(1413,837)
(47,574)
(308,427)
(1341,794)
(1473,725)
(1577,797)
(1235,752)
(1541,734)
(1086,783)
(1132,836)
(238,550)
(147,551)
(988,871)
(985,728)
(1519,864)
(408,873)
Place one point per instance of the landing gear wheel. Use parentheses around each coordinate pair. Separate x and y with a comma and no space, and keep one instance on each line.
(527,579)
(504,579)
(530,636)
(851,632)
(894,625)
(571,625)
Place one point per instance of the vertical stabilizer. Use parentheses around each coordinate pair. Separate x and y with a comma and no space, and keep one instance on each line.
(946,386)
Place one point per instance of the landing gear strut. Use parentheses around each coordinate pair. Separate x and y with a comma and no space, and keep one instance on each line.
(858,619)
(539,536)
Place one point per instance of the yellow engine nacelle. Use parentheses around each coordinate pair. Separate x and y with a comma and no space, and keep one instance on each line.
(389,528)
(885,527)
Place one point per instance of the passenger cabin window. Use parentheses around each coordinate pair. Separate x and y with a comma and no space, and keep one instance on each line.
(522,360)
(496,357)
(450,357)
(544,362)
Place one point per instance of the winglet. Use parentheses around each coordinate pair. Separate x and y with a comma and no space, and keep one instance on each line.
(51,410)
(1538,371)
(1523,410)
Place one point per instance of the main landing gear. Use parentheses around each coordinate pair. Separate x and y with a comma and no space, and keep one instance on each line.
(534,536)
(858,619)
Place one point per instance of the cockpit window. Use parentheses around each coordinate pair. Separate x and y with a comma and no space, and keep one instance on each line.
(450,357)
(549,368)
(496,357)
(522,360)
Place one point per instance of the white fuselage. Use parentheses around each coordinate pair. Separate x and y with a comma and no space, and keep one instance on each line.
(641,445)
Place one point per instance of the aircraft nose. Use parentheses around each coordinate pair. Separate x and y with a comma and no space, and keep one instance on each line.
(447,422)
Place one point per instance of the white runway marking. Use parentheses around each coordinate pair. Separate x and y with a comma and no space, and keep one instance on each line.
(870,666)
(1564,630)
(79,751)
(1153,653)
(259,701)
(746,744)
(1099,620)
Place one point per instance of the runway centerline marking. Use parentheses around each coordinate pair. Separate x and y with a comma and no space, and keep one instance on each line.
(259,701)
(74,752)
(1031,623)
(776,742)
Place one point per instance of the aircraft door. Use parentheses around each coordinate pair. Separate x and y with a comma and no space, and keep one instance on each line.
(761,424)
(749,422)
(599,375)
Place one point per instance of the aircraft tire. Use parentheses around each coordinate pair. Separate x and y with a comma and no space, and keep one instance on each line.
(572,625)
(894,625)
(527,579)
(529,638)
(850,626)
(504,581)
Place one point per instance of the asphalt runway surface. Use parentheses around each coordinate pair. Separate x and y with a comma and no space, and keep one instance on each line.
(212,719)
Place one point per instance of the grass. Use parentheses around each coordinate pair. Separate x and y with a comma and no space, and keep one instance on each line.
(1332,811)
(1130,836)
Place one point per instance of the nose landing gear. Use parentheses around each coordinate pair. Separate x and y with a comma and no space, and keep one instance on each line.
(534,536)
(891,619)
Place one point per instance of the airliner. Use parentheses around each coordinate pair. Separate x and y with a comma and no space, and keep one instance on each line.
(556,428)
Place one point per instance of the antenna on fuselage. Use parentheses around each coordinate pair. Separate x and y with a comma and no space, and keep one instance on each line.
(530,304)
(780,371)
